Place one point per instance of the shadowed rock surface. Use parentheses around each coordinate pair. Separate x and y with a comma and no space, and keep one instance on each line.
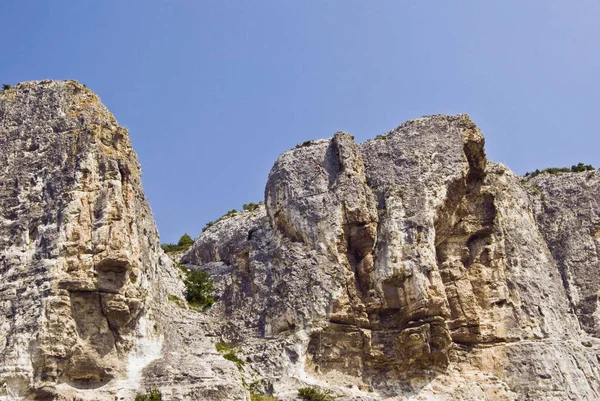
(405,268)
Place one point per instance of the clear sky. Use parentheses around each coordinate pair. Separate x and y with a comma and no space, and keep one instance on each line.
(213,91)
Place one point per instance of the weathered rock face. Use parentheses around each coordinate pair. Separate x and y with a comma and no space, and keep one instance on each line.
(83,282)
(406,268)
(567,209)
(76,239)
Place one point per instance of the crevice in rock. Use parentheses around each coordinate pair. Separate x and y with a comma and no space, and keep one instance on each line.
(463,235)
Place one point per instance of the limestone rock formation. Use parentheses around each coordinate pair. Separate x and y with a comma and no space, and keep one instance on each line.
(567,210)
(408,267)
(83,282)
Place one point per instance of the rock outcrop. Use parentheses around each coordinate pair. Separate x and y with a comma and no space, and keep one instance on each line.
(83,281)
(408,267)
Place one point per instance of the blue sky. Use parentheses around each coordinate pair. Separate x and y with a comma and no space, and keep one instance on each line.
(213,91)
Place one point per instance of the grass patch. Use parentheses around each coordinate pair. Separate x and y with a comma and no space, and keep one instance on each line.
(174,298)
(380,137)
(229,353)
(231,356)
(224,347)
(314,394)
(261,397)
(151,395)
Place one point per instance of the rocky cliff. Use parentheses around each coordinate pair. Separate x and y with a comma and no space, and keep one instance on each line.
(405,268)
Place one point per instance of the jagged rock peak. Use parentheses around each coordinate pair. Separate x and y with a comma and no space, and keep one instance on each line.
(407,266)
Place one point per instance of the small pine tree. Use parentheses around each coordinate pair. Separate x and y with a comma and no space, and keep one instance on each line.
(185,240)
(199,288)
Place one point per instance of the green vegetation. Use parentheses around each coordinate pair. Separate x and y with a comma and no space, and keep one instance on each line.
(182,245)
(185,240)
(314,394)
(250,207)
(382,136)
(227,215)
(304,144)
(261,397)
(6,86)
(231,356)
(199,288)
(174,298)
(151,395)
(578,168)
(224,348)
(229,353)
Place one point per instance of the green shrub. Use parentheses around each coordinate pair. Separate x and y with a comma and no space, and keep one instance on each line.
(304,144)
(314,394)
(6,86)
(184,243)
(208,225)
(578,168)
(185,240)
(250,207)
(229,353)
(151,395)
(382,136)
(199,288)
(227,215)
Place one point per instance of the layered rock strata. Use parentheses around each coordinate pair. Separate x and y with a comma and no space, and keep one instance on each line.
(405,268)
(83,282)
(408,266)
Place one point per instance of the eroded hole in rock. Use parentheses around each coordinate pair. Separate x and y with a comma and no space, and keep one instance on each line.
(464,240)
(112,275)
(87,363)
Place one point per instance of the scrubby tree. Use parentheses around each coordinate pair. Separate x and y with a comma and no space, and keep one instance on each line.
(185,240)
(199,288)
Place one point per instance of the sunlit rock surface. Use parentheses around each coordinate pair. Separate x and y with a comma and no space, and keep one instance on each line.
(408,267)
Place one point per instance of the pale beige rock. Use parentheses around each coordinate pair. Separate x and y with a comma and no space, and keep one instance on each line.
(408,267)
(83,282)
(405,268)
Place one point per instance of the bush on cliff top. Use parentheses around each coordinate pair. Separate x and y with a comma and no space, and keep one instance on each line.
(248,207)
(182,245)
(576,168)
